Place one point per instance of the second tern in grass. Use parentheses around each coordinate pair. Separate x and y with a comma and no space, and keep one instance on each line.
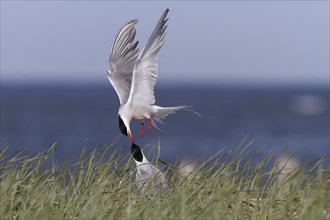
(134,75)
(148,177)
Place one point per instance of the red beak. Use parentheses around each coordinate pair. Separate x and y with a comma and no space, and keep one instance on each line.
(130,137)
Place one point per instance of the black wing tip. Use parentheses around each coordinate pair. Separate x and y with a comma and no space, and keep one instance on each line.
(133,21)
(163,20)
(165,14)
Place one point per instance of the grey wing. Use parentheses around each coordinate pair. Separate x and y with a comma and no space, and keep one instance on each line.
(122,60)
(146,68)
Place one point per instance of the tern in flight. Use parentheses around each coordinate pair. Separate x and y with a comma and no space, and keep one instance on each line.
(133,76)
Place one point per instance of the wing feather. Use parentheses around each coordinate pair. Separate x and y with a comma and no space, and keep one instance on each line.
(123,57)
(146,68)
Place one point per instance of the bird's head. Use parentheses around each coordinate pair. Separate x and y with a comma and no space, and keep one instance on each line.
(136,153)
(124,127)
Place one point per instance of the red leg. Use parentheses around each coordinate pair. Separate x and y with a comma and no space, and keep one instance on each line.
(130,137)
(141,129)
(149,124)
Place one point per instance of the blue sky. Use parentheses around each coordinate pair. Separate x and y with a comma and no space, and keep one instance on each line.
(219,42)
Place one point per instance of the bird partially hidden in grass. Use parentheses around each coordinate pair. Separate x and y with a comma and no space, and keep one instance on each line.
(149,179)
(133,76)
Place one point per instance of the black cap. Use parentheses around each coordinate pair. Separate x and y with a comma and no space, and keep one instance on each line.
(122,126)
(136,152)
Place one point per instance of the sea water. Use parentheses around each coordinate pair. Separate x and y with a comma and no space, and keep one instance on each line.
(35,117)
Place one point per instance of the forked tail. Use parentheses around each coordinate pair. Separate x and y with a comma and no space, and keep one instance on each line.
(162,112)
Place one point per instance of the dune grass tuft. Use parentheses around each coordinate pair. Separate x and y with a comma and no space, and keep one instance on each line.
(101,185)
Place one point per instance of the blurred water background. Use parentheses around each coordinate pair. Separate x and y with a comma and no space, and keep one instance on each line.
(35,117)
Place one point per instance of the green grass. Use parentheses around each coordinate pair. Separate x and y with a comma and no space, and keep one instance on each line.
(101,185)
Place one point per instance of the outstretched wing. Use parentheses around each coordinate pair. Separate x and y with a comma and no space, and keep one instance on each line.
(122,60)
(145,71)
